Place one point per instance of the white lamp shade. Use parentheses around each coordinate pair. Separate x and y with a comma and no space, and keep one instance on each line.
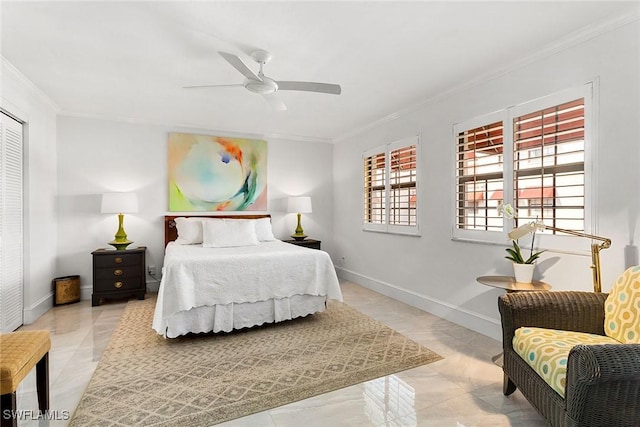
(119,203)
(300,204)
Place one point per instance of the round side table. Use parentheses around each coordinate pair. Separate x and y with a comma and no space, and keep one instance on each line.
(510,285)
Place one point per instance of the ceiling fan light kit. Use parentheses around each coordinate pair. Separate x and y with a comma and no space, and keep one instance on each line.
(263,85)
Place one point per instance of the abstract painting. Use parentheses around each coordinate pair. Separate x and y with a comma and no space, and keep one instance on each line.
(215,173)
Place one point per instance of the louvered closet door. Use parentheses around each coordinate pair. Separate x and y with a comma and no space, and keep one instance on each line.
(11,242)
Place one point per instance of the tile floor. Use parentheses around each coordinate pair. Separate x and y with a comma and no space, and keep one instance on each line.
(462,390)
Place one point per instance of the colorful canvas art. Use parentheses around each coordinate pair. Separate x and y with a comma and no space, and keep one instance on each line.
(214,173)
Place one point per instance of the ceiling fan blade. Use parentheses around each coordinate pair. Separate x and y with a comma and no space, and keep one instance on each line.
(201,86)
(310,87)
(275,102)
(237,63)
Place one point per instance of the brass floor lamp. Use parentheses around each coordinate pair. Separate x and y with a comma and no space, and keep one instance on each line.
(525,229)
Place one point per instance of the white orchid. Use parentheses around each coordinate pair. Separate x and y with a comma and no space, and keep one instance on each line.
(515,254)
(507,211)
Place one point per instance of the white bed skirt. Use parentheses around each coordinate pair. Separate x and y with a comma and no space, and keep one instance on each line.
(225,318)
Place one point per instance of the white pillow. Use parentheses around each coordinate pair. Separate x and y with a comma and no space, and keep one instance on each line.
(263,230)
(222,233)
(189,231)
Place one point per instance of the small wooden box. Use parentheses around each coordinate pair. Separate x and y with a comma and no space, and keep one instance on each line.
(67,289)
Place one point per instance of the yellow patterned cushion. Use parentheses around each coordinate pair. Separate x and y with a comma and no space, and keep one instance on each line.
(621,318)
(547,351)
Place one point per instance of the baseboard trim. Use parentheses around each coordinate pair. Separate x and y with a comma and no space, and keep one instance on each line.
(32,313)
(471,320)
(86,292)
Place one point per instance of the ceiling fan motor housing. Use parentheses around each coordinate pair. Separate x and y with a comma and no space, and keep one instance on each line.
(265,86)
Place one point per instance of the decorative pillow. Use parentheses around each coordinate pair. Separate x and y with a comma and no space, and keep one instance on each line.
(547,351)
(189,231)
(622,308)
(224,233)
(263,230)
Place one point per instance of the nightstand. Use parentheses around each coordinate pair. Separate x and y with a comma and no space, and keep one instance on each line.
(307,243)
(118,274)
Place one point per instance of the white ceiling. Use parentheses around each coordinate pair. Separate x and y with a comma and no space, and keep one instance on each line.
(130,60)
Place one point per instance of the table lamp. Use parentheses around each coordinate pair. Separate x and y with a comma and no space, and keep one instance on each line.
(299,205)
(120,203)
(530,227)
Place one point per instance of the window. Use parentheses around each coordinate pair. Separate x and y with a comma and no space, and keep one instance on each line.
(533,156)
(479,171)
(390,187)
(374,189)
(548,165)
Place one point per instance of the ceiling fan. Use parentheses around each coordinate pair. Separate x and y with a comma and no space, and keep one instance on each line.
(266,86)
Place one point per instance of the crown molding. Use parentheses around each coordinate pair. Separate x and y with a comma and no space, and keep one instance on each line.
(194,127)
(9,68)
(572,39)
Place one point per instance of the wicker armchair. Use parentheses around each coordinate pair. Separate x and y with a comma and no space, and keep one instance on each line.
(602,382)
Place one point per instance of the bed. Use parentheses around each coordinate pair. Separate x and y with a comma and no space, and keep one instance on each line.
(235,275)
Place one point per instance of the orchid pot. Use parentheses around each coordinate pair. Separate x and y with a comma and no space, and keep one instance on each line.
(522,267)
(523,272)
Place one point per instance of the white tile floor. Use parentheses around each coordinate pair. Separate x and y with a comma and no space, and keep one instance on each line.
(462,390)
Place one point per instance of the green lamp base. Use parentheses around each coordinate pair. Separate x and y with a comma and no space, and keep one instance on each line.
(120,242)
(299,232)
(120,245)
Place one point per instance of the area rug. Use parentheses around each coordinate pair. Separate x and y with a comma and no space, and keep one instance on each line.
(204,379)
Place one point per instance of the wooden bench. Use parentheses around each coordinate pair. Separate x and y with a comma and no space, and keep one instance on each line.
(19,353)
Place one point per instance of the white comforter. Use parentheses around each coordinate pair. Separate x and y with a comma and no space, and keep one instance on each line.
(194,276)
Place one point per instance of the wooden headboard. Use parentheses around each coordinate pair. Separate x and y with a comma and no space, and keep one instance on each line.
(171,232)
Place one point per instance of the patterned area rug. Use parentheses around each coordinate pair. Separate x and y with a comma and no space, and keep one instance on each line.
(144,379)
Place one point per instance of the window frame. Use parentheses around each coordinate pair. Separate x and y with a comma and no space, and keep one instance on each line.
(476,122)
(386,149)
(559,242)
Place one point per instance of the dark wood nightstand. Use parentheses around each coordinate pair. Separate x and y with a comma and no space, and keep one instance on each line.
(307,243)
(118,274)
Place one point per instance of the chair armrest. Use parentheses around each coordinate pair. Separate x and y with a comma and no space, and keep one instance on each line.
(603,384)
(604,362)
(564,310)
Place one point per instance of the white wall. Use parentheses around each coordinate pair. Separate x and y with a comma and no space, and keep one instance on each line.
(437,274)
(96,156)
(22,99)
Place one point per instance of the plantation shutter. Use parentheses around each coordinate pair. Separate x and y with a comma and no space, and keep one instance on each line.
(391,187)
(479,177)
(374,189)
(549,156)
(402,186)
(11,210)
